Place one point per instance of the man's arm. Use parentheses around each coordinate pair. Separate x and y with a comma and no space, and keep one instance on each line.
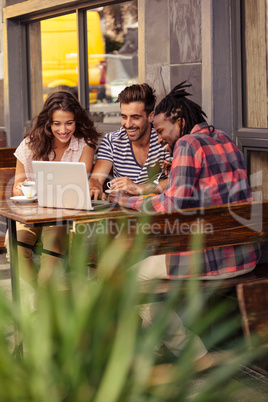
(127,185)
(184,174)
(100,172)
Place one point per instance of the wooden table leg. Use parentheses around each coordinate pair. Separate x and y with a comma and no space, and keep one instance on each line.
(15,284)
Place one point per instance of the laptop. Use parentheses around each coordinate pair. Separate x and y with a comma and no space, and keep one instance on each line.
(64,185)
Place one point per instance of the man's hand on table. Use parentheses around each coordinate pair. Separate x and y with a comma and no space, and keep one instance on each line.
(97,194)
(96,190)
(120,197)
(125,184)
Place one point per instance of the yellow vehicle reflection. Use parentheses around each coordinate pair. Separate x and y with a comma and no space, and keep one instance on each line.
(59,55)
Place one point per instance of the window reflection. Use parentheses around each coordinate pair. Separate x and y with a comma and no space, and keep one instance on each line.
(119,25)
(112,35)
(59,54)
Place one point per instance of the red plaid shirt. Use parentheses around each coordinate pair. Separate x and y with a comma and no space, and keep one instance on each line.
(207,169)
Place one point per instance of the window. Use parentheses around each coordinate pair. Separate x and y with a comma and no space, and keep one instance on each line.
(92,53)
(251,81)
(255,62)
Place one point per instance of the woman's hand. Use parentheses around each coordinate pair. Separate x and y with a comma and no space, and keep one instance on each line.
(17,189)
(20,177)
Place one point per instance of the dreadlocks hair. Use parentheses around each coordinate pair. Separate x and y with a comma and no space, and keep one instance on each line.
(175,105)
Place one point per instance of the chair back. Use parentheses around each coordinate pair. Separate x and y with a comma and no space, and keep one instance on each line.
(7,157)
(6,182)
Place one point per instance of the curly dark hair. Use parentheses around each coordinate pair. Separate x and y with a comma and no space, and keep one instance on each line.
(41,137)
(139,93)
(175,105)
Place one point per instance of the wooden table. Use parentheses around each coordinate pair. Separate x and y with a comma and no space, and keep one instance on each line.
(33,215)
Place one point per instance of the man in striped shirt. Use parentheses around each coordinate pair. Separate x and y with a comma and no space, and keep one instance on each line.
(207,169)
(133,150)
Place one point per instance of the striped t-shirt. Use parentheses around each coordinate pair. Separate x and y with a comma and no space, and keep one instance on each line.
(116,148)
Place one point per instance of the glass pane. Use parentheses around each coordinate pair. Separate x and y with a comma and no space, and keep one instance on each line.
(59,54)
(112,34)
(96,57)
(255,39)
(117,66)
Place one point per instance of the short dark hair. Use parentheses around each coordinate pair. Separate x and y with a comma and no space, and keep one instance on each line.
(175,105)
(139,93)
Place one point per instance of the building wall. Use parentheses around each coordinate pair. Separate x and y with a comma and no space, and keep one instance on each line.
(189,40)
(173,45)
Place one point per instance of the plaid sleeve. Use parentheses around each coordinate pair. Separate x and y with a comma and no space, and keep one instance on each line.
(185,171)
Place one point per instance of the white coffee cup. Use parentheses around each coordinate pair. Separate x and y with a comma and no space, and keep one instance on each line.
(28,189)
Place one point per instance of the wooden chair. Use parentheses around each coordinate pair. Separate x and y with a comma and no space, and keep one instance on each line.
(6,186)
(7,158)
(7,173)
(253,303)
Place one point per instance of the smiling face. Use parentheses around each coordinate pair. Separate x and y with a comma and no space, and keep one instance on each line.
(63,126)
(168,133)
(135,120)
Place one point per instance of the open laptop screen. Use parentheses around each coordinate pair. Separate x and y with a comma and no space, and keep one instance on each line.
(62,185)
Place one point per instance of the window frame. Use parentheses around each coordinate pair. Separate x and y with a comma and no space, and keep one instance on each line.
(17,88)
(246,138)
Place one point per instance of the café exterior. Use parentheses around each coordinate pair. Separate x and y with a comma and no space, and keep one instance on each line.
(220,47)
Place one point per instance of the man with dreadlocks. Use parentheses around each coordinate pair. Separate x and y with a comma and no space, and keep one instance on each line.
(207,169)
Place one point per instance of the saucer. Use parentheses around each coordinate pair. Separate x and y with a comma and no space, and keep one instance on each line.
(108,191)
(22,199)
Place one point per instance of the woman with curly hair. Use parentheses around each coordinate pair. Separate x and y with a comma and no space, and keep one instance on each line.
(62,131)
